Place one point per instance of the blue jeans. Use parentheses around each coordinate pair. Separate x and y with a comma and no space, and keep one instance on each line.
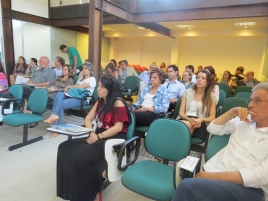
(196,189)
(63,102)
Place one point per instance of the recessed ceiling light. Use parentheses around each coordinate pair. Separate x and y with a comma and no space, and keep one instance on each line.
(245,27)
(113,30)
(245,24)
(185,26)
(138,27)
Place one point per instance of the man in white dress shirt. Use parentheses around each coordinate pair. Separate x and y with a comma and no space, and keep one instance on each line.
(190,68)
(239,172)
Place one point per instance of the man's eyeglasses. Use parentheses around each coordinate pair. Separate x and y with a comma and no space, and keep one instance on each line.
(257,101)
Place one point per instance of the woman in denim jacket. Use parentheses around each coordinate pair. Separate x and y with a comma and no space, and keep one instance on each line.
(154,99)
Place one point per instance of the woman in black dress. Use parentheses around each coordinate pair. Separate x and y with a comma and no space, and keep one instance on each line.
(80,162)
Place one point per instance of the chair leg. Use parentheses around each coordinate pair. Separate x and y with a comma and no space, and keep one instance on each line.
(25,140)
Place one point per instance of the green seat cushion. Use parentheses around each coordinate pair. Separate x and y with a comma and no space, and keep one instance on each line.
(21,119)
(195,140)
(85,107)
(142,128)
(151,179)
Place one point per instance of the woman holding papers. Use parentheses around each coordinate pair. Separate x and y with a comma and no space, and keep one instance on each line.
(62,101)
(80,162)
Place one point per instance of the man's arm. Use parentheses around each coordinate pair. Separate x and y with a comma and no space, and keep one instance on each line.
(234,177)
(43,84)
(75,63)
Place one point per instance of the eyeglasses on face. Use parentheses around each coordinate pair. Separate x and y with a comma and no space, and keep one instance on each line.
(257,101)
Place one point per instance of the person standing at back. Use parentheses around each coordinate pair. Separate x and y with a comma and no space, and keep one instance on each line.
(190,68)
(74,57)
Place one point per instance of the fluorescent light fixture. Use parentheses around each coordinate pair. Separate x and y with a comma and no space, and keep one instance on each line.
(183,26)
(138,27)
(245,24)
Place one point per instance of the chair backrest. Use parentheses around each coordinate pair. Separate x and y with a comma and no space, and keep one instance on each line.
(226,88)
(131,127)
(222,98)
(168,139)
(245,95)
(216,143)
(132,82)
(17,92)
(94,97)
(243,89)
(232,102)
(177,108)
(37,101)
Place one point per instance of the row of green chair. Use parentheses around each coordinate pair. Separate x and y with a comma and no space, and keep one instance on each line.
(228,90)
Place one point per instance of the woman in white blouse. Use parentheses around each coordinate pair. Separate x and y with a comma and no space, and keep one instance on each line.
(198,105)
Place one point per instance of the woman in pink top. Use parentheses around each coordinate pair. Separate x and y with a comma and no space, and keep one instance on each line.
(3,79)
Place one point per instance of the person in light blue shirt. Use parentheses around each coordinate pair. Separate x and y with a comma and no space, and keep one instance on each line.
(154,99)
(175,87)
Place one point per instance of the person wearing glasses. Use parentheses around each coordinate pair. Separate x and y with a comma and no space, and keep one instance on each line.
(41,78)
(175,87)
(238,171)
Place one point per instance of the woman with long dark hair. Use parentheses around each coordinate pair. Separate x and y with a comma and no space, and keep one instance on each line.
(112,70)
(80,162)
(216,89)
(226,77)
(198,105)
(19,69)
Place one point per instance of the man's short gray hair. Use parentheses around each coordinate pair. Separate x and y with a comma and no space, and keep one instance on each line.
(45,57)
(263,85)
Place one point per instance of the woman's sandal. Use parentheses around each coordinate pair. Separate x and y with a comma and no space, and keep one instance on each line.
(159,160)
(33,125)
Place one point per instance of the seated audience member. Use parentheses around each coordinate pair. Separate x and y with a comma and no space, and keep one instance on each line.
(61,82)
(42,77)
(62,101)
(249,80)
(163,67)
(238,171)
(190,68)
(186,79)
(198,105)
(154,99)
(112,70)
(3,78)
(226,77)
(19,69)
(113,61)
(125,71)
(32,68)
(145,78)
(175,87)
(216,89)
(236,77)
(81,162)
(199,68)
(59,62)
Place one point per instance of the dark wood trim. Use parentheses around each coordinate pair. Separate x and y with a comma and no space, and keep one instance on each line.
(71,11)
(257,10)
(76,28)
(6,4)
(156,28)
(95,20)
(70,22)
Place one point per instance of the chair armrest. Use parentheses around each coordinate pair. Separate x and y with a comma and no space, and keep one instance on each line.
(134,89)
(82,100)
(13,101)
(122,152)
(179,174)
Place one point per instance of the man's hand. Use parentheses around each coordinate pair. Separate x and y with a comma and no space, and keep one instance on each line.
(173,100)
(242,113)
(30,82)
(74,70)
(92,138)
(206,175)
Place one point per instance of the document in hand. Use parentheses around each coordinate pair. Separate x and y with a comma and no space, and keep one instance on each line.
(70,128)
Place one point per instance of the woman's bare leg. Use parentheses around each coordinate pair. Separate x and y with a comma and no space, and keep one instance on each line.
(189,125)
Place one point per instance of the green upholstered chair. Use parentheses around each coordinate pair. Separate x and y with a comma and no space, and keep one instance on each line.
(168,139)
(232,102)
(37,103)
(226,88)
(245,95)
(222,97)
(133,83)
(243,89)
(216,143)
(17,92)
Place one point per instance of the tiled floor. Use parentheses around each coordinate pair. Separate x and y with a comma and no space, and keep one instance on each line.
(29,173)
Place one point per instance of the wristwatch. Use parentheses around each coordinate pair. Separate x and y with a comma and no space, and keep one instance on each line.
(101,135)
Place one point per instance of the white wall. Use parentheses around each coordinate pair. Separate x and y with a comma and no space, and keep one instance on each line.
(33,7)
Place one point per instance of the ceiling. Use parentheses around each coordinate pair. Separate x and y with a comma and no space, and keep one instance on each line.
(261,22)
